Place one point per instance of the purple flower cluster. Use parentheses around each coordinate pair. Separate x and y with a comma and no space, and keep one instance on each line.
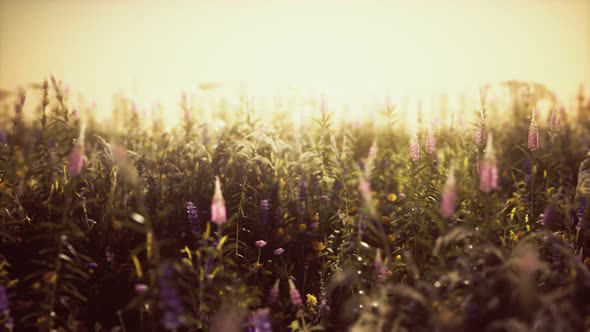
(193,217)
(263,211)
(5,309)
(580,212)
(260,320)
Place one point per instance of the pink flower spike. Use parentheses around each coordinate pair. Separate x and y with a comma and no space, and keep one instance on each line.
(274,292)
(278,252)
(480,133)
(260,243)
(414,148)
(533,138)
(430,141)
(488,169)
(295,295)
(218,211)
(449,195)
(76,161)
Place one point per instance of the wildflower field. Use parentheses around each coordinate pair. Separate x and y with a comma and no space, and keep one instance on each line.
(473,221)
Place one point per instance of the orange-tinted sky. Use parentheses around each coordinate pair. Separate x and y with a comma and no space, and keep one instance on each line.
(347,47)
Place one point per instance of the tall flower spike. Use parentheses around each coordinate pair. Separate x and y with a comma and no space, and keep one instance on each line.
(263,211)
(480,133)
(414,148)
(365,189)
(4,304)
(554,119)
(76,161)
(488,169)
(218,211)
(193,217)
(294,293)
(5,309)
(533,139)
(449,195)
(430,141)
(371,159)
(380,267)
(273,295)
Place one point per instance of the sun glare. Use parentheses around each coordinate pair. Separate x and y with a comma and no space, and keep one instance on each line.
(354,54)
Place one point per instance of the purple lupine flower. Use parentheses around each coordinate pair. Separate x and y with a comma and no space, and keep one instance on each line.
(302,196)
(218,211)
(76,161)
(260,320)
(209,261)
(193,218)
(533,138)
(5,309)
(414,148)
(170,298)
(430,141)
(4,304)
(294,293)
(488,169)
(323,308)
(263,211)
(580,213)
(449,195)
(273,294)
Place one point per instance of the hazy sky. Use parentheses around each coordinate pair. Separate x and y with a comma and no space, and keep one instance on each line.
(359,47)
